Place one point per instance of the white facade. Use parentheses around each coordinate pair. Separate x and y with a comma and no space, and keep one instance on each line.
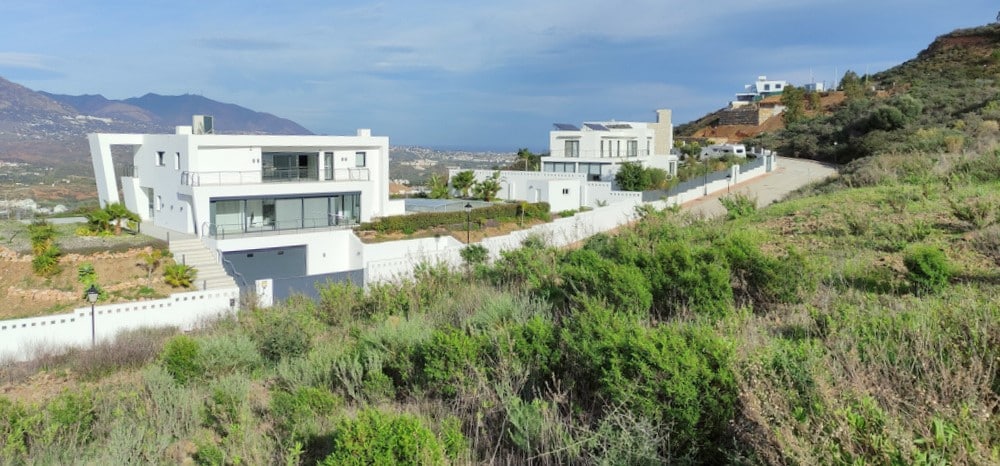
(763,87)
(181,181)
(597,149)
(246,193)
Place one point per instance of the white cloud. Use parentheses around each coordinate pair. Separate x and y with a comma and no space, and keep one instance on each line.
(25,60)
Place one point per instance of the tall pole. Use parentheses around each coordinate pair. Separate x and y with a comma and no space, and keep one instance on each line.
(92,294)
(468,222)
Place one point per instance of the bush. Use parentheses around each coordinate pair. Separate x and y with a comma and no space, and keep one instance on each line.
(179,275)
(474,254)
(738,205)
(338,301)
(448,360)
(622,286)
(227,353)
(687,277)
(279,334)
(375,437)
(428,220)
(297,414)
(632,177)
(928,269)
(676,374)
(977,212)
(180,358)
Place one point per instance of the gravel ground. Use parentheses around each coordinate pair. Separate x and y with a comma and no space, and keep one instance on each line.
(14,236)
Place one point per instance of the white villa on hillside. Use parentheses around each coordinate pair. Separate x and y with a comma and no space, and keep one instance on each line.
(267,206)
(758,90)
(582,163)
(597,149)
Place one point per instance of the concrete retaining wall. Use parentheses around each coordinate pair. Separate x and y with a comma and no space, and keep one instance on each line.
(20,337)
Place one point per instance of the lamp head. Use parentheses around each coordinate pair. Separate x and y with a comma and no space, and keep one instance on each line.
(468,207)
(92,294)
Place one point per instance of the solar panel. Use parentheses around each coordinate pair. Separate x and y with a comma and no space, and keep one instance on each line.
(565,127)
(619,126)
(595,126)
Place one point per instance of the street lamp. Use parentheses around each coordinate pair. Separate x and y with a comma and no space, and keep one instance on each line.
(92,294)
(729,179)
(468,222)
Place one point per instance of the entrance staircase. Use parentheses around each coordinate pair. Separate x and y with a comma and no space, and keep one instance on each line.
(211,274)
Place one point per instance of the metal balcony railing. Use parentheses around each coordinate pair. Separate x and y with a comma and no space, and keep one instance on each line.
(596,154)
(219,178)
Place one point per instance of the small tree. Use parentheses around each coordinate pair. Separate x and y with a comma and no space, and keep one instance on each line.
(151,261)
(438,187)
(488,188)
(793,98)
(632,177)
(463,181)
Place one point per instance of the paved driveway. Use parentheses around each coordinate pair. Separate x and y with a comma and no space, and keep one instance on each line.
(790,175)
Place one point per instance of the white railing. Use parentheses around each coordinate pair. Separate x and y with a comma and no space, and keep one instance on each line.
(219,178)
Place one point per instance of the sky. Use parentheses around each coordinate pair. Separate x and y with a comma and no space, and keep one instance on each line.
(475,75)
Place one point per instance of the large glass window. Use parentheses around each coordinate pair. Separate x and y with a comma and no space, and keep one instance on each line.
(234,216)
(633,148)
(283,166)
(572,148)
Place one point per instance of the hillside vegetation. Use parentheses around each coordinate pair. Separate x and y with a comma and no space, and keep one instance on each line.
(857,323)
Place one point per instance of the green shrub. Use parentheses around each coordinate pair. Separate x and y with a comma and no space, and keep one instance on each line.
(738,205)
(928,269)
(976,211)
(687,277)
(297,414)
(179,275)
(676,374)
(428,220)
(338,301)
(623,286)
(180,358)
(448,361)
(474,254)
(762,280)
(375,437)
(227,353)
(455,443)
(46,262)
(281,335)
(535,428)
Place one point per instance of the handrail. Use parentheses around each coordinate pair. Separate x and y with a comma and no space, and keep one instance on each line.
(219,231)
(236,177)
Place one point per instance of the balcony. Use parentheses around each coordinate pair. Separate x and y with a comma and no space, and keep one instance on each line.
(596,154)
(293,175)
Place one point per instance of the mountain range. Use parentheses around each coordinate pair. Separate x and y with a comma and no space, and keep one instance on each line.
(45,128)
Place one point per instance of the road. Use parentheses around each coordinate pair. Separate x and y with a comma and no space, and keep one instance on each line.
(790,175)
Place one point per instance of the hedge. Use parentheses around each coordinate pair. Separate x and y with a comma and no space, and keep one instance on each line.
(426,220)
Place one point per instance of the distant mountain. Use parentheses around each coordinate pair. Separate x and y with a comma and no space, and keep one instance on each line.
(50,129)
(229,118)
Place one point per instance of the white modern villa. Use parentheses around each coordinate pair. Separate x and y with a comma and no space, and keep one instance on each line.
(582,163)
(267,206)
(598,148)
(758,90)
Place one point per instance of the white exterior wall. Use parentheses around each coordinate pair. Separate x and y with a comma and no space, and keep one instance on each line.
(231,166)
(326,251)
(562,194)
(19,338)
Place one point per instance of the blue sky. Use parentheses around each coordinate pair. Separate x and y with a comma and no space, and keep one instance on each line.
(465,74)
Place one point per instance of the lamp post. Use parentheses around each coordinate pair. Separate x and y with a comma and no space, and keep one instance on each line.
(92,295)
(468,222)
(729,179)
